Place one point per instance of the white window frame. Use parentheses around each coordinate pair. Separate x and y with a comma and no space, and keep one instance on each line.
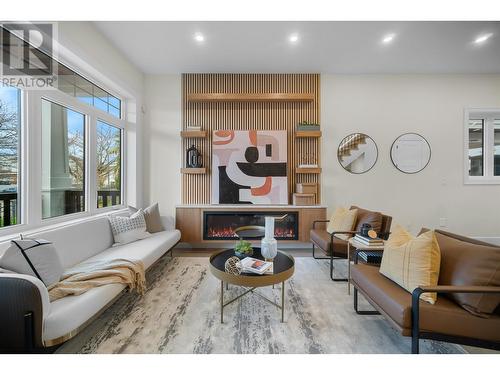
(30,176)
(489,115)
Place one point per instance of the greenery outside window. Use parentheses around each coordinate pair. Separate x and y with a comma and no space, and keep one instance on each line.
(109,166)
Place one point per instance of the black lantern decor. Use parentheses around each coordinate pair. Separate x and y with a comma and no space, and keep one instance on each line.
(193,158)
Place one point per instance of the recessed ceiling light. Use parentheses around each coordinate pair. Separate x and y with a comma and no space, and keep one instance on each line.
(482,38)
(199,37)
(388,38)
(294,38)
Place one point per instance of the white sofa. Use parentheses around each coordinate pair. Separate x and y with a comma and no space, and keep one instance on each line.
(91,239)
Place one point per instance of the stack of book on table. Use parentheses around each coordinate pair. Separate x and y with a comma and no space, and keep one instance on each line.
(252,265)
(367,241)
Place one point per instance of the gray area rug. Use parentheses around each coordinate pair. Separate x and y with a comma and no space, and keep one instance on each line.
(179,313)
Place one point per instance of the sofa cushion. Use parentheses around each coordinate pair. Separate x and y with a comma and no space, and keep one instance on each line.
(412,261)
(33,257)
(148,250)
(369,217)
(69,313)
(342,220)
(471,262)
(389,296)
(76,242)
(445,316)
(322,239)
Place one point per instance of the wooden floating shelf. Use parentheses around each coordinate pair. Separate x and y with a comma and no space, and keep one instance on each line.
(193,134)
(308,134)
(251,97)
(308,170)
(193,170)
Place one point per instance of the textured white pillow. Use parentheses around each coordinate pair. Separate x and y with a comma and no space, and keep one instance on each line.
(33,257)
(152,216)
(128,229)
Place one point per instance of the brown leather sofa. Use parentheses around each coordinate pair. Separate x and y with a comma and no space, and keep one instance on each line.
(467,310)
(336,248)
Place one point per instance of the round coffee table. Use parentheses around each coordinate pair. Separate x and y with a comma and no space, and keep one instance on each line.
(283,268)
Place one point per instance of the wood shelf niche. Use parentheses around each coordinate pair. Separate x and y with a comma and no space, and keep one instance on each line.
(193,170)
(249,102)
(308,134)
(193,134)
(250,97)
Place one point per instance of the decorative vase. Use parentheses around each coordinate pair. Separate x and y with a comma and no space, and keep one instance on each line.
(193,158)
(269,248)
(269,245)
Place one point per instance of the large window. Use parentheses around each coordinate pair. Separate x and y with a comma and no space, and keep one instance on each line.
(75,85)
(10,140)
(476,147)
(109,150)
(496,152)
(63,160)
(482,138)
(61,152)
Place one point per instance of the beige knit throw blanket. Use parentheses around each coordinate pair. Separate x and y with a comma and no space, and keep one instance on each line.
(88,275)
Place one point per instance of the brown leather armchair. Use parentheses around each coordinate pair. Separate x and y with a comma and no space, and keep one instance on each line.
(336,248)
(468,277)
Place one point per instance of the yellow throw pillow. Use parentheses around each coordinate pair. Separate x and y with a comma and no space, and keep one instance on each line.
(342,220)
(412,261)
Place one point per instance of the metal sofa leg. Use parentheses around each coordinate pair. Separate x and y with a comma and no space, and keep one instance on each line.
(415,323)
(362,312)
(28,332)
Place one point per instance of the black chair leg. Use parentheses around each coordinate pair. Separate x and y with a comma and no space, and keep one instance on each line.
(331,258)
(331,272)
(314,254)
(362,312)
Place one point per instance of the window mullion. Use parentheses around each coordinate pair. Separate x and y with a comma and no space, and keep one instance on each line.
(33,156)
(488,147)
(92,164)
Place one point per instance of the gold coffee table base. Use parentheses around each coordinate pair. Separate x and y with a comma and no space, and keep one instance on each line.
(252,290)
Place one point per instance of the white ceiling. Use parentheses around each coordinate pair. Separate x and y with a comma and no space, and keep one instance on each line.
(323,47)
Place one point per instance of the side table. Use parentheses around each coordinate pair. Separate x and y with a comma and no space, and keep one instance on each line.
(359,246)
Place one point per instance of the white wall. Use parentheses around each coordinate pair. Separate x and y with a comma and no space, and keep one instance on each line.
(162,143)
(385,107)
(87,51)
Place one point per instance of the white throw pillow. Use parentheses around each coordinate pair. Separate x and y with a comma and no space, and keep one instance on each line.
(33,257)
(128,229)
(152,216)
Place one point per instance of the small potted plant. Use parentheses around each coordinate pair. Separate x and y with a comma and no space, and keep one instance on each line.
(243,249)
(305,125)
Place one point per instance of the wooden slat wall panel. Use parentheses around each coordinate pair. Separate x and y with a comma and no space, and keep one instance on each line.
(196,189)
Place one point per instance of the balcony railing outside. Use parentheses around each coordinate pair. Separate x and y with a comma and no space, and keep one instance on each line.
(74,202)
(8,209)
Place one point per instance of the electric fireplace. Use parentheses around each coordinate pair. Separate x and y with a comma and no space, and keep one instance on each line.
(220,225)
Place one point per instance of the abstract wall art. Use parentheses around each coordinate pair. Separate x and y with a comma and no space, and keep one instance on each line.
(249,167)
